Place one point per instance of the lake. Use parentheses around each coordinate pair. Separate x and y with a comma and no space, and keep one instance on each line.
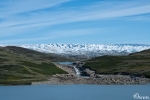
(65,63)
(74,92)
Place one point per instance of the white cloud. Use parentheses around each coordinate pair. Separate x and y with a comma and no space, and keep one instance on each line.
(58,35)
(24,40)
(14,23)
(11,7)
(76,32)
(140,18)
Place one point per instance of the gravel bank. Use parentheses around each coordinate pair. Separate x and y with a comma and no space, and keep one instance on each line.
(100,79)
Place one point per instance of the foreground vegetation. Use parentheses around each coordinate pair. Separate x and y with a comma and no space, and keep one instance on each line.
(23,66)
(134,64)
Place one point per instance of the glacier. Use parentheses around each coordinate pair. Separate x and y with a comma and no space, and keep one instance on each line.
(85,49)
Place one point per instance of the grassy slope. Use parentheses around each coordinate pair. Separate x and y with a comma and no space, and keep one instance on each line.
(136,63)
(22,66)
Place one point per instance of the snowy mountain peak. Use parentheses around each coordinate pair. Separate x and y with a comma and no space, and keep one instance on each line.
(86,49)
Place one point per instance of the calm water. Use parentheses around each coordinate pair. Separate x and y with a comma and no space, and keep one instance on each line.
(65,63)
(73,92)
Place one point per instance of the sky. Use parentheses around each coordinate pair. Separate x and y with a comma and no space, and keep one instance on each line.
(75,21)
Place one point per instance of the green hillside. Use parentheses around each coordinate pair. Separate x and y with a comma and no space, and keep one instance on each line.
(133,64)
(22,66)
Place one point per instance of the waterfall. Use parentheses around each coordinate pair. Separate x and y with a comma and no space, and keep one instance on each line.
(77,71)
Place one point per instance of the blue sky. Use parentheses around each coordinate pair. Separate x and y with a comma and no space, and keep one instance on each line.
(75,21)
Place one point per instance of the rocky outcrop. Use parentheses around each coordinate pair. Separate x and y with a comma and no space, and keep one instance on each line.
(91,73)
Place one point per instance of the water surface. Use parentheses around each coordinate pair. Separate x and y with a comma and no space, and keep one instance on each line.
(73,92)
(65,63)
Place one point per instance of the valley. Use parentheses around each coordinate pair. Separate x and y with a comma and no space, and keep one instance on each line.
(25,66)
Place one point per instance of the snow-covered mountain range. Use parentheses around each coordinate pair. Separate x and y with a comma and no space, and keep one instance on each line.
(86,49)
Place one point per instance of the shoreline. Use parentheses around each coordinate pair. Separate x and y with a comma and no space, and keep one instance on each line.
(69,79)
(62,79)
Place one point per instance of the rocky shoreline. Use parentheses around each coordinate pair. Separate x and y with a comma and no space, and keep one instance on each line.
(100,79)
